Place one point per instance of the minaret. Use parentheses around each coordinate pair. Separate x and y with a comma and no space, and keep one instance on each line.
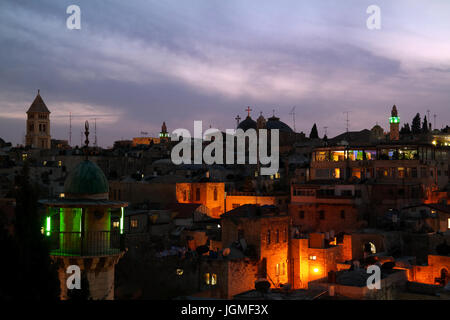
(38,124)
(394,122)
(78,227)
(163,135)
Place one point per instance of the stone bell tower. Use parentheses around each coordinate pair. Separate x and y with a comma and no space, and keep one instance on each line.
(38,124)
(394,122)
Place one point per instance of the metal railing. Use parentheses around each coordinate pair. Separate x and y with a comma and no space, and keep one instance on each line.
(88,243)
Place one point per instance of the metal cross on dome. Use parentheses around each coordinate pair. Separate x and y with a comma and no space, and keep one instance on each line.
(248,110)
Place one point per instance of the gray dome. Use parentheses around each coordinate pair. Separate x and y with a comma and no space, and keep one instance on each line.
(248,123)
(275,123)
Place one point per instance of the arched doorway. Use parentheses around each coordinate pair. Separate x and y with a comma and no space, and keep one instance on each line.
(444,276)
(369,248)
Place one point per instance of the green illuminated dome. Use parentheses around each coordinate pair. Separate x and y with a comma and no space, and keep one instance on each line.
(85,179)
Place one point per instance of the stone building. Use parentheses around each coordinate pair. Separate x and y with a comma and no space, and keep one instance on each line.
(38,124)
(209,194)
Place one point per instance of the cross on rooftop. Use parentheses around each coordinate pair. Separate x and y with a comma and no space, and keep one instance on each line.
(248,110)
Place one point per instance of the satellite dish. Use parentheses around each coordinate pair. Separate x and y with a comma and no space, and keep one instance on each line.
(226,252)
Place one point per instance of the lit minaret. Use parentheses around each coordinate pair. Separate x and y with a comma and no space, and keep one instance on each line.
(394,122)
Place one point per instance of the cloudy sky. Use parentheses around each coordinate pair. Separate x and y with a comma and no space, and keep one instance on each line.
(135,64)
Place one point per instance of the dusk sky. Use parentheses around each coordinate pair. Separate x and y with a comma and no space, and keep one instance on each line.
(135,64)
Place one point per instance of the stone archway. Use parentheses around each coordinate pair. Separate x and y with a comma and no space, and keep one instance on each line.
(369,248)
(445,276)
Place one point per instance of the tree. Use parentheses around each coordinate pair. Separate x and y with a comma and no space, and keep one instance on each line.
(314,134)
(415,126)
(425,125)
(29,269)
(406,129)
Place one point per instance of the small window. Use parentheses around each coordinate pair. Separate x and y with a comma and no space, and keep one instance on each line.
(448,223)
(277,236)
(215,194)
(197,194)
(321,215)
(116,224)
(268,237)
(312,258)
(343,214)
(134,223)
(184,195)
(277,269)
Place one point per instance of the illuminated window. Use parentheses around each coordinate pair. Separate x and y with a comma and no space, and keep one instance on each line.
(312,258)
(59,163)
(134,223)
(213,279)
(210,279)
(337,173)
(277,269)
(61,195)
(180,272)
(448,223)
(116,224)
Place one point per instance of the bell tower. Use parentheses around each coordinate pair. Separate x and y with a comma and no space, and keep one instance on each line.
(394,122)
(38,124)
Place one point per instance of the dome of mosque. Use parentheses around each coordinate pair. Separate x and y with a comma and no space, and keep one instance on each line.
(86,178)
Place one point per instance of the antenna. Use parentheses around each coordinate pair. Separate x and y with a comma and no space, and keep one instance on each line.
(434,127)
(70,128)
(95,132)
(428,114)
(347,121)
(292,113)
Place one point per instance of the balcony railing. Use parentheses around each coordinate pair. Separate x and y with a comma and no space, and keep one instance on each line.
(89,243)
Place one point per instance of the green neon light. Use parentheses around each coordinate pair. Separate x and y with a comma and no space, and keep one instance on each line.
(48,225)
(121,220)
(394,120)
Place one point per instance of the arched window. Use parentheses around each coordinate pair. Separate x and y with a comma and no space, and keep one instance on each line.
(215,194)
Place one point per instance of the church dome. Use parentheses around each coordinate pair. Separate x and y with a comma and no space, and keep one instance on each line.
(86,179)
(275,123)
(248,123)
